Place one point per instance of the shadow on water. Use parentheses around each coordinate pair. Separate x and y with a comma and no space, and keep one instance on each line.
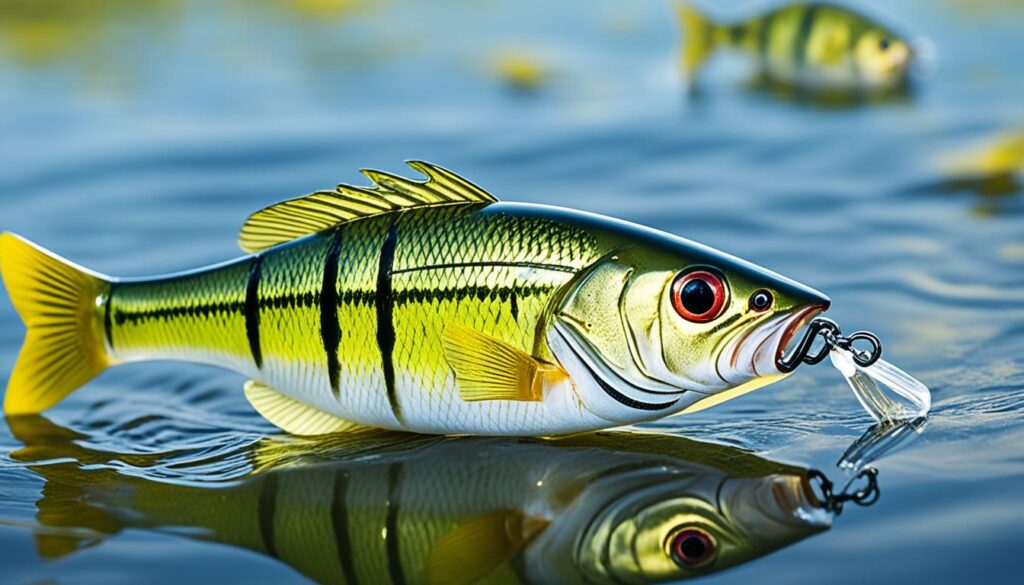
(614,506)
(829,99)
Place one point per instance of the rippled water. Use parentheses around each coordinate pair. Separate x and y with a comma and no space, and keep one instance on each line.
(135,136)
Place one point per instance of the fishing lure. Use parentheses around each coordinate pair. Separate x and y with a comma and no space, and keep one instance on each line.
(428,307)
(814,46)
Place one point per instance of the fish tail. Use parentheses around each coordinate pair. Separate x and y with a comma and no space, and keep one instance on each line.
(58,302)
(699,38)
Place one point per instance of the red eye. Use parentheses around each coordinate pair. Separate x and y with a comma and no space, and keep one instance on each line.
(692,547)
(698,296)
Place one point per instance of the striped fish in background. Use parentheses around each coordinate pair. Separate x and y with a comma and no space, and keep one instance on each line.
(811,46)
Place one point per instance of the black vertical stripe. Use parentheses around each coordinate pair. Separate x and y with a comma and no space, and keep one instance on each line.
(339,520)
(108,328)
(330,332)
(854,36)
(803,35)
(267,510)
(252,310)
(385,304)
(391,526)
(514,306)
(764,37)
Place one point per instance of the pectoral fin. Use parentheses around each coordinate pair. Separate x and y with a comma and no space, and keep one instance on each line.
(292,416)
(489,369)
(480,545)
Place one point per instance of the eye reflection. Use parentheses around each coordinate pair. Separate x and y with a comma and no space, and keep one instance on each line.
(692,547)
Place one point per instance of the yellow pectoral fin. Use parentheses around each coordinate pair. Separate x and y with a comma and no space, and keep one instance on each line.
(292,416)
(477,547)
(489,369)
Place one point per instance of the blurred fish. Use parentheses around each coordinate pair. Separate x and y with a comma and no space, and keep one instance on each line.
(428,307)
(370,508)
(992,169)
(44,32)
(520,72)
(1001,156)
(811,46)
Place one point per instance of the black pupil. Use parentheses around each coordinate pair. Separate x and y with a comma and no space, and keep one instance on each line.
(698,296)
(761,300)
(883,44)
(692,547)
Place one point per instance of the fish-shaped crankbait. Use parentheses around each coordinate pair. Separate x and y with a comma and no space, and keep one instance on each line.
(814,46)
(427,307)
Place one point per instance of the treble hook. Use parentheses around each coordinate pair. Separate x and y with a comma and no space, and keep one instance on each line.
(833,337)
(833,502)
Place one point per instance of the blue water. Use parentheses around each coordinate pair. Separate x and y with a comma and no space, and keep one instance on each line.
(136,135)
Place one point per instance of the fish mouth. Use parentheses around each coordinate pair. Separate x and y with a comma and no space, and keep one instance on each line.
(757,351)
(799,321)
(796,501)
(774,507)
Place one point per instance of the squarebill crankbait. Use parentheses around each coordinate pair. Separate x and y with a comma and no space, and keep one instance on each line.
(815,46)
(428,307)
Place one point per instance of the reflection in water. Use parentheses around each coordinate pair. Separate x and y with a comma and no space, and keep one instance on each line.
(599,508)
(830,99)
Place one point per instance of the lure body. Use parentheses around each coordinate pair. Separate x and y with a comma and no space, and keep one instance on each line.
(813,46)
(351,320)
(425,307)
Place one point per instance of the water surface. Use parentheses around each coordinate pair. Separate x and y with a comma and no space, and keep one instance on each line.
(136,136)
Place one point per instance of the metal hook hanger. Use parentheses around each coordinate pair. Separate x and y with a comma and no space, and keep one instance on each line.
(833,337)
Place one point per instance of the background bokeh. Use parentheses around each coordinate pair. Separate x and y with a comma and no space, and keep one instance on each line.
(135,136)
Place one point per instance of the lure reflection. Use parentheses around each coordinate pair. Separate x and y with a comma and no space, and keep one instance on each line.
(368,508)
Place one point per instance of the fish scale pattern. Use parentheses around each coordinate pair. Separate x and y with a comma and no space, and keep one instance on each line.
(196,316)
(492,272)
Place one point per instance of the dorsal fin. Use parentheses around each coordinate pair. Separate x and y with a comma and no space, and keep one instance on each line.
(295,218)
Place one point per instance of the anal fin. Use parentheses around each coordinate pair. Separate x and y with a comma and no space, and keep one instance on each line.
(490,369)
(293,416)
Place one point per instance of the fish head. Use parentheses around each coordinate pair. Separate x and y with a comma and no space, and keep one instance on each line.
(692,526)
(659,326)
(881,58)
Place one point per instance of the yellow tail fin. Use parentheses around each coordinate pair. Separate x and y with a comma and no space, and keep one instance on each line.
(698,39)
(57,301)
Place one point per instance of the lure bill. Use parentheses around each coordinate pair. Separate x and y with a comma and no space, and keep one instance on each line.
(428,307)
(864,370)
(811,46)
(909,399)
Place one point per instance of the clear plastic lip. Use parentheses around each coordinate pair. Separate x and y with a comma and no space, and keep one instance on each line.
(905,398)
